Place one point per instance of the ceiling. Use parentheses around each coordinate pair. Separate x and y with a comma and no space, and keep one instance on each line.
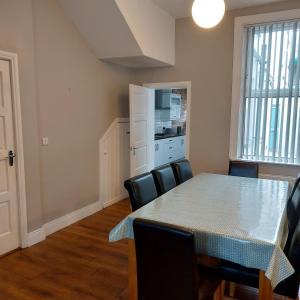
(182,8)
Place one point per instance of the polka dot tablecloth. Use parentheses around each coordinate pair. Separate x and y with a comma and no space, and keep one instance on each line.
(239,219)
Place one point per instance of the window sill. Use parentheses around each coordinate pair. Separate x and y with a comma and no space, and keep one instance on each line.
(268,162)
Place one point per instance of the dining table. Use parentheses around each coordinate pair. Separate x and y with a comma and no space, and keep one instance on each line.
(238,219)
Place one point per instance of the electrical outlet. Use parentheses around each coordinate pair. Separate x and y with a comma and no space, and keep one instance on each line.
(45,141)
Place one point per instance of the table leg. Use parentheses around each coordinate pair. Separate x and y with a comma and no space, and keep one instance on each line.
(265,288)
(132,275)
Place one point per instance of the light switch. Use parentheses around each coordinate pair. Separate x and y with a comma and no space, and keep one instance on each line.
(45,141)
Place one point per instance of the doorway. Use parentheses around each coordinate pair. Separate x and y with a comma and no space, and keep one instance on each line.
(13,217)
(159,124)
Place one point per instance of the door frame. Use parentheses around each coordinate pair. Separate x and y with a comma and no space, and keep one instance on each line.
(179,85)
(12,58)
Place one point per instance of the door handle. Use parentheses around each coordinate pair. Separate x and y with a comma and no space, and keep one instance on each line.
(133,150)
(11,157)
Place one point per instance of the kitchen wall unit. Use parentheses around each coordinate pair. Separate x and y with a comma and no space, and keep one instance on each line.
(168,104)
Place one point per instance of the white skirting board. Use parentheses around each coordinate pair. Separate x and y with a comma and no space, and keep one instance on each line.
(72,218)
(35,237)
(115,200)
(40,234)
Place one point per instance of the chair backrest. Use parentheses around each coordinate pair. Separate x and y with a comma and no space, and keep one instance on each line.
(141,190)
(166,262)
(164,179)
(243,169)
(293,207)
(182,171)
(290,286)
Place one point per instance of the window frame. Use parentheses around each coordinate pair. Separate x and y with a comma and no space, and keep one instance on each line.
(238,76)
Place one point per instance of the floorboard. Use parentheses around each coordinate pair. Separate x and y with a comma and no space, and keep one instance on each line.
(76,263)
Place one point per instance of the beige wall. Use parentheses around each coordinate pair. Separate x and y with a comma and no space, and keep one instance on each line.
(16,35)
(79,97)
(67,95)
(205,58)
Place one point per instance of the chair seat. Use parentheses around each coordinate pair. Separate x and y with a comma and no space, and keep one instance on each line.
(239,274)
(234,272)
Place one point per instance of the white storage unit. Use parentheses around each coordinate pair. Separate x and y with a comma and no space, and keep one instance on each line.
(169,150)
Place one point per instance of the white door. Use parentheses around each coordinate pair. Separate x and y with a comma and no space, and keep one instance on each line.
(9,229)
(141,129)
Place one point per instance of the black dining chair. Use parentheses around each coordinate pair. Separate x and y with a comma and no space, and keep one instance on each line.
(182,170)
(167,264)
(164,179)
(141,190)
(288,288)
(243,169)
(293,210)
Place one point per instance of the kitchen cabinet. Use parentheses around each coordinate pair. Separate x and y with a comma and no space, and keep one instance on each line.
(169,150)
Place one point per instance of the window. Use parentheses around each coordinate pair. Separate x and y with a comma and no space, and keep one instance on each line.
(269,105)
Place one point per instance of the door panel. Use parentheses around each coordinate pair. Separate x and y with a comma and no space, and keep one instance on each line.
(4,217)
(141,129)
(9,227)
(141,160)
(140,136)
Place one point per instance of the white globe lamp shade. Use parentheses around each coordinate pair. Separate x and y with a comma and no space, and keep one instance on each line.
(208,13)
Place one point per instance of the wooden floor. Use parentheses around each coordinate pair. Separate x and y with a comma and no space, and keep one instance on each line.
(75,263)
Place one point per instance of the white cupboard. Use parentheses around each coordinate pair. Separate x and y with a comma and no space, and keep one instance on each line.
(169,150)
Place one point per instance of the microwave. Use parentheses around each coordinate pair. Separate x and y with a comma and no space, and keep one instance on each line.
(167,100)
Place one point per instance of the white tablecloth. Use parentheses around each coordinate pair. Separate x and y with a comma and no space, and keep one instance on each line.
(242,220)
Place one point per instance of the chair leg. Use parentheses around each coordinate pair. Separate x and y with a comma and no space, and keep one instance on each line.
(232,288)
(219,293)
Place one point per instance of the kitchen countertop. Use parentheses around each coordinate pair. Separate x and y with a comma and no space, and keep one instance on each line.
(166,136)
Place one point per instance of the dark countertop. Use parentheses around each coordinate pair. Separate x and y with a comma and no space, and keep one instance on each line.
(166,136)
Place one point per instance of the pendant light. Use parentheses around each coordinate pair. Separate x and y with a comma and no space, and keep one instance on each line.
(208,13)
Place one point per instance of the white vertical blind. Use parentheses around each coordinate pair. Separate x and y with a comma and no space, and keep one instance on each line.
(271,106)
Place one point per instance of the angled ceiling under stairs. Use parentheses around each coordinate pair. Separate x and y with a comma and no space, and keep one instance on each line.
(132,33)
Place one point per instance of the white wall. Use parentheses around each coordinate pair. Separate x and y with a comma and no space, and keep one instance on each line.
(152,27)
(103,27)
